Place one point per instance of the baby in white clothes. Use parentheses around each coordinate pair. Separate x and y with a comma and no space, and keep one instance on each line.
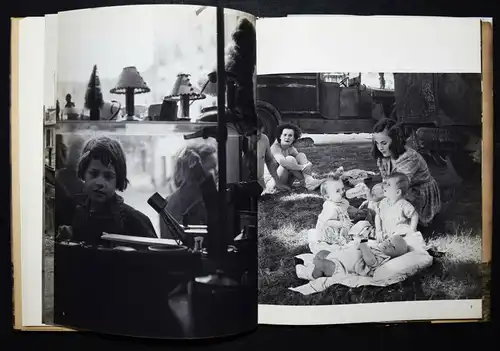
(394,214)
(333,224)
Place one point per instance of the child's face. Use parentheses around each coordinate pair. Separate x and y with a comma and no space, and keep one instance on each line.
(391,190)
(392,247)
(287,137)
(100,181)
(210,166)
(334,190)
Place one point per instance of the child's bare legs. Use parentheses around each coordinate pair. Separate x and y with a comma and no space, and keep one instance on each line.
(322,266)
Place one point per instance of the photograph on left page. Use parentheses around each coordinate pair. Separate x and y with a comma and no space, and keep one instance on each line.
(135,243)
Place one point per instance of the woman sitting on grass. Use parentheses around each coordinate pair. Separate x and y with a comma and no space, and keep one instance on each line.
(292,164)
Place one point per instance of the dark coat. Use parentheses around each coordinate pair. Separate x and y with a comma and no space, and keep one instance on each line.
(116,218)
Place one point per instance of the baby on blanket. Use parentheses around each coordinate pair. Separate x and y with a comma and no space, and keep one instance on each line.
(333,224)
(358,259)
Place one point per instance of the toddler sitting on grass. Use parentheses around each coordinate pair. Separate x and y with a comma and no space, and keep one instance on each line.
(333,224)
(394,214)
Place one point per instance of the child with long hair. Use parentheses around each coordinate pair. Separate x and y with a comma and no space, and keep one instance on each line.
(185,202)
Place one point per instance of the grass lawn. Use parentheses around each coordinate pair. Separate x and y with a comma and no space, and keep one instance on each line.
(284,217)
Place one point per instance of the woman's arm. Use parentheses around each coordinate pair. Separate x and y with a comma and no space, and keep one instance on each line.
(283,162)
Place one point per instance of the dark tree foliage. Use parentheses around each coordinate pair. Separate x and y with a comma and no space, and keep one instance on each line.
(93,97)
(58,110)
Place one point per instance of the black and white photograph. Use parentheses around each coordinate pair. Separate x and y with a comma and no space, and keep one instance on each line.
(152,227)
(372,187)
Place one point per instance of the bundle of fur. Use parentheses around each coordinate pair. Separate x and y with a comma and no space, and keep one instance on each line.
(241,54)
(240,62)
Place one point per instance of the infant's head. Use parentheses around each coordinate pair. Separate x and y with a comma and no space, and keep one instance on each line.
(332,189)
(396,186)
(395,246)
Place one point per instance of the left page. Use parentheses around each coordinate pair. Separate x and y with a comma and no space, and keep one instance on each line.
(159,264)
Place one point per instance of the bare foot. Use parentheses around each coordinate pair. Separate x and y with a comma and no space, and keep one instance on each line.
(313,184)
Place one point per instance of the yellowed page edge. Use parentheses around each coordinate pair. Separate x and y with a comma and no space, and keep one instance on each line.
(15,199)
(14,154)
(487,152)
(487,156)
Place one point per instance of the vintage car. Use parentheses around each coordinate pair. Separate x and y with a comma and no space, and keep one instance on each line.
(319,105)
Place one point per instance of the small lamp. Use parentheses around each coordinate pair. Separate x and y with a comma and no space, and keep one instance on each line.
(184,91)
(130,83)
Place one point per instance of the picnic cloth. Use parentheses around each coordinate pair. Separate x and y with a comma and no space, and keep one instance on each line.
(394,271)
(356,176)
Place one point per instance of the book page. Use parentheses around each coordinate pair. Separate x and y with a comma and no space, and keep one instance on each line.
(156,136)
(27,169)
(376,140)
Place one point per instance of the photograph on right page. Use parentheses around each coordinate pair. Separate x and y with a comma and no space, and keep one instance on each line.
(372,187)
(374,160)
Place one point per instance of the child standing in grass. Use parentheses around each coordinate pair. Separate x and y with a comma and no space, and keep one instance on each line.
(103,169)
(394,214)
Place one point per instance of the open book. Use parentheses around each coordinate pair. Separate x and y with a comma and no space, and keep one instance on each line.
(186,172)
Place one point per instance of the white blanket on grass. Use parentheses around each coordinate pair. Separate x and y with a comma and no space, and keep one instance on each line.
(394,271)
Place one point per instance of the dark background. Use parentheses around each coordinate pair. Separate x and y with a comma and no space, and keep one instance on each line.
(423,336)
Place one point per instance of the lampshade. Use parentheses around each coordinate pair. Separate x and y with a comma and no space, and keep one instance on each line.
(130,78)
(183,87)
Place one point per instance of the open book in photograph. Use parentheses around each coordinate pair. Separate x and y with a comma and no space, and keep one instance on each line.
(373,208)
(150,220)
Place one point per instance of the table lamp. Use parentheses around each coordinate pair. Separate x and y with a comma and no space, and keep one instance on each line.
(184,91)
(130,83)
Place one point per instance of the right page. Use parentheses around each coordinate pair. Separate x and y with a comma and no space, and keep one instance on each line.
(375,157)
